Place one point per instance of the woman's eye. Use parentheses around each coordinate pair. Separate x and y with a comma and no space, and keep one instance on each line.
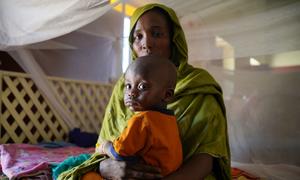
(157,34)
(138,37)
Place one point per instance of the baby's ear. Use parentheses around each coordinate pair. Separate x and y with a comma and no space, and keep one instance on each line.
(169,95)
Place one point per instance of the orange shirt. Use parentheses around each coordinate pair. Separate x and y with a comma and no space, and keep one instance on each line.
(154,136)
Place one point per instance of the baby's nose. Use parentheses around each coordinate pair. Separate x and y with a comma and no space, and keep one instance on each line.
(132,94)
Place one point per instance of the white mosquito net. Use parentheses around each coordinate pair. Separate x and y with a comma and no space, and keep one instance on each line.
(32,33)
(250,47)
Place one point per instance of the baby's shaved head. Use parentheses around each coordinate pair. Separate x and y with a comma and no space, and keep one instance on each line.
(157,68)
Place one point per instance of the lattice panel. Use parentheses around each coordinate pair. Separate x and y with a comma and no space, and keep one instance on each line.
(27,117)
(85,100)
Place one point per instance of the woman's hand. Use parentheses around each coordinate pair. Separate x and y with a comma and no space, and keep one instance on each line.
(197,167)
(117,170)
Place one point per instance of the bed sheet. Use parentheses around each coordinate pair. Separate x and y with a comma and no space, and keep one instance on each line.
(25,160)
(270,171)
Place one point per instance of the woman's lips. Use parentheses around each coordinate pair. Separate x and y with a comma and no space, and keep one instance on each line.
(147,53)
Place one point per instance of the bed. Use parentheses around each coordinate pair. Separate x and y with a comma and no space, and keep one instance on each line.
(34,138)
(27,161)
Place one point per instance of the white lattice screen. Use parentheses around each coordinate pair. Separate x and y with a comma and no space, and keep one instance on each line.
(27,117)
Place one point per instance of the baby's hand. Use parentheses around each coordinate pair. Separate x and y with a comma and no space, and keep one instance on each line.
(102,148)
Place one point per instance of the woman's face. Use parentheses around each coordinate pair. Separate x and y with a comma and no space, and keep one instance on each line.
(151,35)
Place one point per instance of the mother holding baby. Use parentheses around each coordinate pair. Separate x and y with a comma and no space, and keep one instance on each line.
(198,105)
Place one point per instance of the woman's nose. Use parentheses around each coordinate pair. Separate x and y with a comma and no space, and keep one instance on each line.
(147,43)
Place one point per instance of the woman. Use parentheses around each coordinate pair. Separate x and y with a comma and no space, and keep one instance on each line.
(198,105)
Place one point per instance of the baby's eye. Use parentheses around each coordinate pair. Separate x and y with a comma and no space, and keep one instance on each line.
(127,86)
(142,86)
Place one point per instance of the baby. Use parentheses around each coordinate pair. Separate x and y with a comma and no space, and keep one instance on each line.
(151,134)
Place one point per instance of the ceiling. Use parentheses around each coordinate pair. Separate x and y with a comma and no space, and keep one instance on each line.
(248,28)
(220,29)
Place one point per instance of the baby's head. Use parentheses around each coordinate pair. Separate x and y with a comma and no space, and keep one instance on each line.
(149,83)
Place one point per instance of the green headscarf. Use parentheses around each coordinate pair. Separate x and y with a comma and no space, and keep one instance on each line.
(198,105)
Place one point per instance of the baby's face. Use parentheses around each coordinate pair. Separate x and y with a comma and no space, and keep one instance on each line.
(142,93)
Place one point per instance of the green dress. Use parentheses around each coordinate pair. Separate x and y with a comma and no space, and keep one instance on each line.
(198,105)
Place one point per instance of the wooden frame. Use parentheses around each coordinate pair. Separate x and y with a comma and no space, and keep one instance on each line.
(27,117)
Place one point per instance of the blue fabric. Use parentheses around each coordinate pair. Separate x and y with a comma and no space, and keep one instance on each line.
(68,163)
(82,139)
(122,158)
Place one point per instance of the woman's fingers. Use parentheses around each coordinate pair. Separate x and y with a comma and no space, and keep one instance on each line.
(130,173)
(143,171)
(145,168)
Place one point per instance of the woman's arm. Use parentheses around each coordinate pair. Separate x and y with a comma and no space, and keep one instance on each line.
(197,167)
